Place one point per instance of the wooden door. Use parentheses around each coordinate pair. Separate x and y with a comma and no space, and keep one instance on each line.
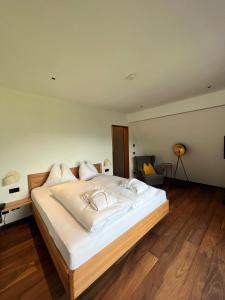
(120,151)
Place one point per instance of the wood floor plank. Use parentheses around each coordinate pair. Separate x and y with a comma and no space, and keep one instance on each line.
(174,223)
(203,219)
(208,262)
(28,271)
(176,273)
(130,277)
(214,287)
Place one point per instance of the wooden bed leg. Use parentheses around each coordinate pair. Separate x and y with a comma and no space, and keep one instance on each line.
(70,290)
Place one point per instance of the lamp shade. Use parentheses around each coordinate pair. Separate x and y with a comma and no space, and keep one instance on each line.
(107,162)
(179,149)
(10,178)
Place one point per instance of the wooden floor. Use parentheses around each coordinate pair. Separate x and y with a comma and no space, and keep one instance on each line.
(183,257)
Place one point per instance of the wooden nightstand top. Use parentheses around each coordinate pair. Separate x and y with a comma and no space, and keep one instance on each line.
(17,203)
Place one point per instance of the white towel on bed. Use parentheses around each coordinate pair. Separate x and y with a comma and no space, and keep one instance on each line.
(99,199)
(134,185)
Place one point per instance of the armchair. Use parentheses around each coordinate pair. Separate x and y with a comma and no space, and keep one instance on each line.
(154,179)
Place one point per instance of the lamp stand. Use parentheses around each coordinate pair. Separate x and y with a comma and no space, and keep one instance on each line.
(179,159)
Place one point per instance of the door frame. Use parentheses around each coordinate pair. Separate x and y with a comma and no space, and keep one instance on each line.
(126,148)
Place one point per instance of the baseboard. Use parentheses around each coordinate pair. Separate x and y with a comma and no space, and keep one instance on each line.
(193,182)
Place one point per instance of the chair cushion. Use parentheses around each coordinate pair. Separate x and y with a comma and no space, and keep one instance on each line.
(140,160)
(148,169)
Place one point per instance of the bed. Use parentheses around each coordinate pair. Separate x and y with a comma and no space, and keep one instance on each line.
(79,256)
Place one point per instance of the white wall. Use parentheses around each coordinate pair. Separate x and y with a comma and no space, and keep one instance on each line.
(37,131)
(201,131)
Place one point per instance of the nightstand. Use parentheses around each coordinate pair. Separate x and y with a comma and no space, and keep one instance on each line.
(17,204)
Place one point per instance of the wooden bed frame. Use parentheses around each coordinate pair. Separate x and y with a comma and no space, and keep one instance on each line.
(76,281)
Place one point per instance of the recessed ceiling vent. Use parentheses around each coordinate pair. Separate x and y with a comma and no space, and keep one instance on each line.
(131,76)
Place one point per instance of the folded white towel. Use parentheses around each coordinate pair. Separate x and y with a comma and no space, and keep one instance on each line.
(134,185)
(138,187)
(99,199)
(126,183)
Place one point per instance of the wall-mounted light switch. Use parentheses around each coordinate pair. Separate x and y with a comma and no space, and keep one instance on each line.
(14,190)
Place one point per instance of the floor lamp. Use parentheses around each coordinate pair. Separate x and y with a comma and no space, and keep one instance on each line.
(179,150)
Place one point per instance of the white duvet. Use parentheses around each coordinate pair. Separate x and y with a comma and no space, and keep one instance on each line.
(69,195)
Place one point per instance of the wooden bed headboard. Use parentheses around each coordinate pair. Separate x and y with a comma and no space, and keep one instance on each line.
(38,179)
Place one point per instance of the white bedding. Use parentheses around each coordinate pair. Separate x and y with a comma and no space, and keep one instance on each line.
(75,243)
(70,196)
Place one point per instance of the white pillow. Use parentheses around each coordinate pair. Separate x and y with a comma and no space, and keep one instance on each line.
(87,170)
(67,174)
(54,177)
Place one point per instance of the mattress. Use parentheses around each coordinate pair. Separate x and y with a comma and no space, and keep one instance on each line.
(75,244)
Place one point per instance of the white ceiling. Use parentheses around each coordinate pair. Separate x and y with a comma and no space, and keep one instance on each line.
(177,48)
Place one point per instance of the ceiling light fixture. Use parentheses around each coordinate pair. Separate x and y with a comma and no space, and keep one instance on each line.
(131,76)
